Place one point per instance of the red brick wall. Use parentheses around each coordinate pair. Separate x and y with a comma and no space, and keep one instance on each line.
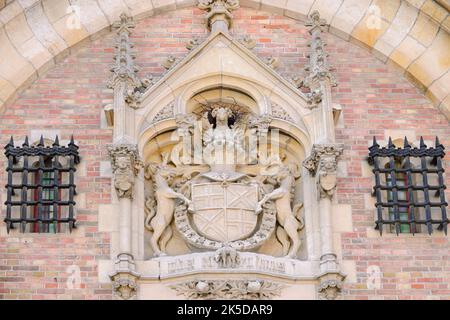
(70,98)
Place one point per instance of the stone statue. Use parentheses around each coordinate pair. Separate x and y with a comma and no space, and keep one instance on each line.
(159,220)
(289,219)
(222,140)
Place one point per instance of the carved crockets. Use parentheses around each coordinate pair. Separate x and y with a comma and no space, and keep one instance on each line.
(124,79)
(323,164)
(318,68)
(125,163)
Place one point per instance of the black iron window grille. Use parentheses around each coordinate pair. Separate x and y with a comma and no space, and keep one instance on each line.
(40,186)
(409,187)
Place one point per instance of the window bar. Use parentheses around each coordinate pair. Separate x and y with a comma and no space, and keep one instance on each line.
(10,190)
(39,202)
(423,162)
(23,207)
(376,170)
(440,171)
(56,197)
(40,189)
(410,192)
(74,159)
(71,185)
(394,189)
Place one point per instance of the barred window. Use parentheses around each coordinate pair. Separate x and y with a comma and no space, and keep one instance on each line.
(409,187)
(41,186)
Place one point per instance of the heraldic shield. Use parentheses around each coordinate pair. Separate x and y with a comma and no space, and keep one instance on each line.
(225,211)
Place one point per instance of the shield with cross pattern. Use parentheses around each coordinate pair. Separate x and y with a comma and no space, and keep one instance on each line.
(224,211)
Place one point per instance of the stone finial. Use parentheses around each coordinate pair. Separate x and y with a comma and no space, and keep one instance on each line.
(219,15)
(315,22)
(125,163)
(125,24)
(318,68)
(124,70)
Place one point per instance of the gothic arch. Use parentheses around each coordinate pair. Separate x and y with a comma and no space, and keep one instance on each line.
(422,55)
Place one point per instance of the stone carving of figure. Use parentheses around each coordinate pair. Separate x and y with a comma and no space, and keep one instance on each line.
(124,184)
(222,141)
(289,219)
(159,220)
(227,257)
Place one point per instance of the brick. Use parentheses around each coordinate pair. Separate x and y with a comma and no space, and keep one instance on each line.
(376,100)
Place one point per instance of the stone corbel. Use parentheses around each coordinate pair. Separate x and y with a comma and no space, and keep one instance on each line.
(330,285)
(322,163)
(124,277)
(125,163)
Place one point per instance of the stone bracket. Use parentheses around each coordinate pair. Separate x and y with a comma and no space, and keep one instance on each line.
(330,285)
(124,278)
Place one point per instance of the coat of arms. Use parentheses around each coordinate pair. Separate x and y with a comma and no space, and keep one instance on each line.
(230,199)
(225,212)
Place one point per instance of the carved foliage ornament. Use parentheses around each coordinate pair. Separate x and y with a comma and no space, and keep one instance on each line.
(218,8)
(124,285)
(211,5)
(322,163)
(318,68)
(125,163)
(279,113)
(229,289)
(124,71)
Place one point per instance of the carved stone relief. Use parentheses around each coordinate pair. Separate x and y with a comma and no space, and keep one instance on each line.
(279,113)
(228,289)
(323,164)
(219,200)
(125,163)
(165,113)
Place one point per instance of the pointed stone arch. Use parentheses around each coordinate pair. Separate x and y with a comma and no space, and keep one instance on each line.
(400,40)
